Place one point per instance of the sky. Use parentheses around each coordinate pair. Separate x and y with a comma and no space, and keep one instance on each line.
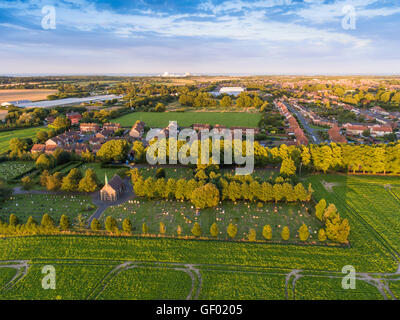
(200,37)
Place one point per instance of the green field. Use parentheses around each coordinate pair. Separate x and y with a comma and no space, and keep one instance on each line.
(186,119)
(20,133)
(36,205)
(105,267)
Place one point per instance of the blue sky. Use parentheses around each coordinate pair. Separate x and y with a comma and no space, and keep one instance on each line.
(206,37)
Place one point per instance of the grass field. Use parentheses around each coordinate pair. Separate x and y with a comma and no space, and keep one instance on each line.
(24,94)
(244,215)
(186,119)
(19,133)
(141,268)
(36,205)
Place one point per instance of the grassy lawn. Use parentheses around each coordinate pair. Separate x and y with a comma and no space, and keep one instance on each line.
(244,215)
(11,169)
(36,205)
(186,119)
(175,173)
(100,172)
(20,133)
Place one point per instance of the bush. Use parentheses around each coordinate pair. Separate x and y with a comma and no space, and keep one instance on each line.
(285,233)
(196,230)
(252,235)
(232,230)
(214,230)
(111,224)
(64,222)
(267,232)
(127,225)
(95,225)
(303,233)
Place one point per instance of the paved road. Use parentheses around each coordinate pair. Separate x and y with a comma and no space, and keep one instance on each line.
(312,132)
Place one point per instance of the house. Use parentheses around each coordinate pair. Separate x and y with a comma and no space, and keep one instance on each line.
(112,126)
(137,129)
(380,131)
(335,136)
(112,190)
(74,117)
(104,134)
(201,126)
(38,148)
(49,149)
(354,129)
(89,127)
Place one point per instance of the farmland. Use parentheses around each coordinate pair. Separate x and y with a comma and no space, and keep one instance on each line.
(186,119)
(5,136)
(25,94)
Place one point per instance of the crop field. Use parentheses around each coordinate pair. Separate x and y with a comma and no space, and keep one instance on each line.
(24,94)
(36,205)
(186,119)
(244,215)
(11,169)
(107,267)
(5,136)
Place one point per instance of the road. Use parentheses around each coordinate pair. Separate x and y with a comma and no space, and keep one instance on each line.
(311,132)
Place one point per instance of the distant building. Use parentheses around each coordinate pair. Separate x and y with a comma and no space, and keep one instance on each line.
(335,136)
(137,129)
(74,117)
(38,148)
(112,126)
(235,91)
(112,190)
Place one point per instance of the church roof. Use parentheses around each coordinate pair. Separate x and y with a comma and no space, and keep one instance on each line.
(116,182)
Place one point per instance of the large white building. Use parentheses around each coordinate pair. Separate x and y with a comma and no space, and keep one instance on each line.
(235,91)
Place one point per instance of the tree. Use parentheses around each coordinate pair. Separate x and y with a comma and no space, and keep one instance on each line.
(300,192)
(41,136)
(303,233)
(53,182)
(47,222)
(214,230)
(95,225)
(162,228)
(160,107)
(285,233)
(111,224)
(267,232)
(196,230)
(206,196)
(113,150)
(252,235)
(18,147)
(127,225)
(13,220)
(226,102)
(232,230)
(145,229)
(134,174)
(43,177)
(179,230)
(321,235)
(26,182)
(320,209)
(61,123)
(287,167)
(89,182)
(70,183)
(64,222)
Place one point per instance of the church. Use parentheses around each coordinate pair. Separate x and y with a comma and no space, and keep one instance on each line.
(112,190)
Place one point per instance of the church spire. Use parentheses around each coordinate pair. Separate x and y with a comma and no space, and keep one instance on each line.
(106,179)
